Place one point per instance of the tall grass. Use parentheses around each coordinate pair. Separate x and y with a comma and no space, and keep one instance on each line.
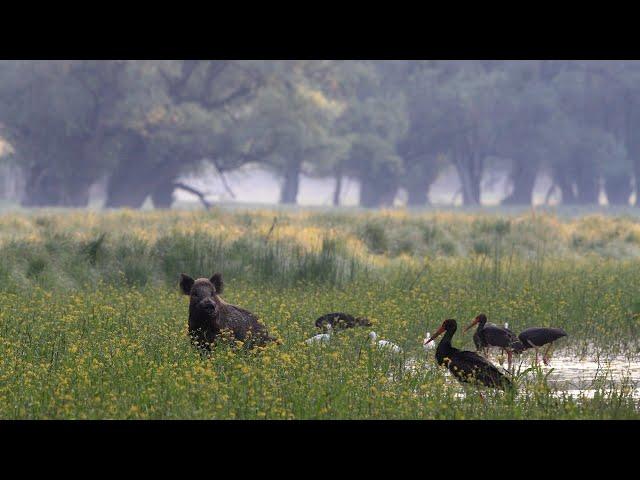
(318,247)
(115,352)
(92,324)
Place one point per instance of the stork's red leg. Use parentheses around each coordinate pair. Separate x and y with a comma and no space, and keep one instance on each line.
(509,357)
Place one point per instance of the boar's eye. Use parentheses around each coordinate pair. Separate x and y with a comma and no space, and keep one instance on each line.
(204,293)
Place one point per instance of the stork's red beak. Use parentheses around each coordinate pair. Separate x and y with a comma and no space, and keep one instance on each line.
(437,332)
(475,320)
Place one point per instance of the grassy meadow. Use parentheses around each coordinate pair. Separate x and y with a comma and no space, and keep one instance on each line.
(92,324)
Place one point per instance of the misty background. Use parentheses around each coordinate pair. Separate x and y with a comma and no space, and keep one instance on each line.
(370,133)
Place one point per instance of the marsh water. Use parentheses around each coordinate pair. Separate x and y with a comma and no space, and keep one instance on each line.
(576,375)
(585,376)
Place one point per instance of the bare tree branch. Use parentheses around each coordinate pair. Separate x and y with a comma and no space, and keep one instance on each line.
(222,103)
(223,178)
(196,192)
(213,72)
(176,86)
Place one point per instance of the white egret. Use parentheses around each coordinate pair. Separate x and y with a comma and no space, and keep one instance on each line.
(321,337)
(427,344)
(384,344)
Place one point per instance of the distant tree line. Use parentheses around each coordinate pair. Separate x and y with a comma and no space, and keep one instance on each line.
(389,124)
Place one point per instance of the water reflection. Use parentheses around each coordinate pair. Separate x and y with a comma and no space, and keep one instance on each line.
(571,374)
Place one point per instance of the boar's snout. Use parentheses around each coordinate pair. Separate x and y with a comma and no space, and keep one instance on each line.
(208,305)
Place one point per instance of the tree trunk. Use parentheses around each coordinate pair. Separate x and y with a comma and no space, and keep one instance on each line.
(78,196)
(289,192)
(44,188)
(369,195)
(59,180)
(618,189)
(132,182)
(128,184)
(635,159)
(523,177)
(388,197)
(124,191)
(162,196)
(337,190)
(470,187)
(636,175)
(377,192)
(420,173)
(12,187)
(418,195)
(588,187)
(565,185)
(632,142)
(469,168)
(589,193)
(41,188)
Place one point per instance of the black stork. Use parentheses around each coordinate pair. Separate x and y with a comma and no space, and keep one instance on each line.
(341,320)
(467,367)
(490,335)
(536,337)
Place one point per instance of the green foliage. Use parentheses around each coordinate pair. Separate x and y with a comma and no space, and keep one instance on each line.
(93,247)
(430,233)
(375,236)
(390,124)
(448,248)
(481,247)
(35,266)
(499,226)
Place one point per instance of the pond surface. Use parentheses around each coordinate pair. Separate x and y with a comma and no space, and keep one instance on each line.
(572,374)
(586,375)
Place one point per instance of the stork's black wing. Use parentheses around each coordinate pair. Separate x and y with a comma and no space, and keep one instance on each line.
(499,336)
(336,320)
(471,367)
(539,336)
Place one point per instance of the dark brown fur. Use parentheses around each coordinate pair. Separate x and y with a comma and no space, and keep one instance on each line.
(210,315)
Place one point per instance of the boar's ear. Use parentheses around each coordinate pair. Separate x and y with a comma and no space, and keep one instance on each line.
(186,282)
(216,279)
